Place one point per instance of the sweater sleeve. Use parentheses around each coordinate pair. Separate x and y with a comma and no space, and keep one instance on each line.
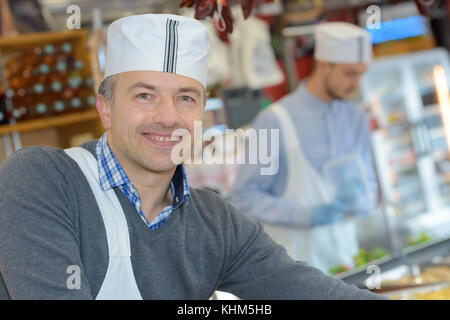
(258,268)
(39,246)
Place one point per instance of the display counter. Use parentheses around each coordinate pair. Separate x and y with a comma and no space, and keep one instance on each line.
(416,256)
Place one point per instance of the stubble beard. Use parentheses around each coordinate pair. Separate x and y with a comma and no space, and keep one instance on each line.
(331,92)
(136,157)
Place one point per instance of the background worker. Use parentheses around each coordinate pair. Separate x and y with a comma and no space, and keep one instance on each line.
(325,175)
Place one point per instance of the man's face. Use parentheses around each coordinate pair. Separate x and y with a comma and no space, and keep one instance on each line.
(148,107)
(341,80)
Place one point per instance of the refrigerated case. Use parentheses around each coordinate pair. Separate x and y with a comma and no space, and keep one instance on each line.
(410,146)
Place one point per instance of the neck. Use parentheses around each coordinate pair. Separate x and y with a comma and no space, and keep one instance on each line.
(153,187)
(154,190)
(316,86)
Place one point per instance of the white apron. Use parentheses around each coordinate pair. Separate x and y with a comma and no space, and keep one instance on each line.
(323,247)
(119,282)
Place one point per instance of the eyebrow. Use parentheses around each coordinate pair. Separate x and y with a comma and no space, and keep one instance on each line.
(190,89)
(144,85)
(139,85)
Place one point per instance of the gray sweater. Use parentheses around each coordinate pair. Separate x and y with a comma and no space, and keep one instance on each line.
(50,225)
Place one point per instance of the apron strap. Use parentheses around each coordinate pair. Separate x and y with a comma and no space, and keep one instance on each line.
(119,282)
(110,208)
(324,246)
(302,176)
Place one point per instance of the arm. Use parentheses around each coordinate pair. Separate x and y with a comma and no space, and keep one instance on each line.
(260,196)
(258,268)
(38,232)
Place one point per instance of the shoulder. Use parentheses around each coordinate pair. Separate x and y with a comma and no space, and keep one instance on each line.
(50,168)
(41,157)
(214,207)
(90,146)
(354,109)
(207,199)
(227,225)
(38,183)
(265,119)
(354,114)
(29,159)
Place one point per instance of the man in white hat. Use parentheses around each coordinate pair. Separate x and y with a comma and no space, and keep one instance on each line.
(115,218)
(306,205)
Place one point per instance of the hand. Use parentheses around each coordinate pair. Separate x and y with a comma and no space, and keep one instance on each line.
(352,196)
(350,191)
(326,214)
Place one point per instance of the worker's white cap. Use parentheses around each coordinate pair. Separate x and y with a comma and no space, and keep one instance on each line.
(341,42)
(158,42)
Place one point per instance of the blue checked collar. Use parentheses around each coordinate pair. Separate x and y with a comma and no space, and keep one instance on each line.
(111,174)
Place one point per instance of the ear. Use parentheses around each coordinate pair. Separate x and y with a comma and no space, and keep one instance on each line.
(104,110)
(321,65)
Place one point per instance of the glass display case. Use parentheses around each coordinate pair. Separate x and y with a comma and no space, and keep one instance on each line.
(410,146)
(409,98)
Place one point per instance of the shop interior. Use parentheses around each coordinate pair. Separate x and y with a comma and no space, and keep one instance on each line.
(52,59)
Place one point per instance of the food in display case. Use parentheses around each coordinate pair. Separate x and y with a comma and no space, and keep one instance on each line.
(430,275)
(428,281)
(339,269)
(363,257)
(421,238)
(442,294)
(433,292)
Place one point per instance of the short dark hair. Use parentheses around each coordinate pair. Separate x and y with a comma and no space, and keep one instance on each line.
(107,87)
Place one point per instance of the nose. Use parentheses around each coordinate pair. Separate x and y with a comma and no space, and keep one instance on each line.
(166,113)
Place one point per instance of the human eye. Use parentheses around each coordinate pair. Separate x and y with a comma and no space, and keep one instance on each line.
(143,96)
(186,99)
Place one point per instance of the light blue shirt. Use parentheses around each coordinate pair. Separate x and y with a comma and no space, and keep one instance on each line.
(326,132)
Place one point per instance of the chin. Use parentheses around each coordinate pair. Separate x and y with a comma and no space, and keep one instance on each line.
(161,166)
(149,162)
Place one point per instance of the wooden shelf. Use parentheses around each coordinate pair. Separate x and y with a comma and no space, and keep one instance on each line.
(51,122)
(28,40)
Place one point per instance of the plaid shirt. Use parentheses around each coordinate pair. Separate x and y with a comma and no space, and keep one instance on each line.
(112,175)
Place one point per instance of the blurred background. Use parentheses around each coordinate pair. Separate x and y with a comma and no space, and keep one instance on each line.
(52,57)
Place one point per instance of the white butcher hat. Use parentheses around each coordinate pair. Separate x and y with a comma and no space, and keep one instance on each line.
(341,42)
(158,42)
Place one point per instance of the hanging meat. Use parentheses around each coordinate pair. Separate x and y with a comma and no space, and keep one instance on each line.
(207,8)
(247,7)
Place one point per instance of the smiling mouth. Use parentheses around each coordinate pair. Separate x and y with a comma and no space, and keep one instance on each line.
(163,140)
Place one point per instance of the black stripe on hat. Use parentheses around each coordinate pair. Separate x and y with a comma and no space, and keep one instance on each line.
(171,49)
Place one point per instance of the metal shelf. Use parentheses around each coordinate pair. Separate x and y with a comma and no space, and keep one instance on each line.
(416,255)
